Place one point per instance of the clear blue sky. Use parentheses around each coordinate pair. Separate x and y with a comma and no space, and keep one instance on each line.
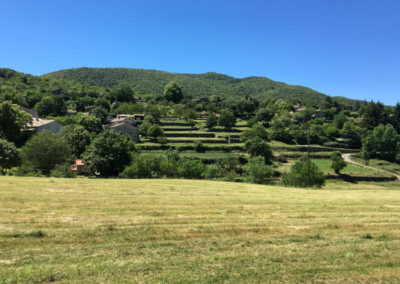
(339,47)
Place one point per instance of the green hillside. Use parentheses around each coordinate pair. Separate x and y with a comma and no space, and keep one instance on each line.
(196,85)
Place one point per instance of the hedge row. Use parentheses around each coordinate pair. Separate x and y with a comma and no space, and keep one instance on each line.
(210,141)
(179,129)
(224,148)
(166,134)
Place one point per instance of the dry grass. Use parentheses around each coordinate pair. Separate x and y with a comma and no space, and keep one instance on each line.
(196,231)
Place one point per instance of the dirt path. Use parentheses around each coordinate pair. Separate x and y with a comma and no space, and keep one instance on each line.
(346,157)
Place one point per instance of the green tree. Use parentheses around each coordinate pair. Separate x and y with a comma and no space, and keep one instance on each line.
(227,119)
(91,123)
(9,155)
(339,120)
(396,118)
(381,143)
(190,169)
(51,105)
(123,92)
(173,92)
(257,130)
(337,162)
(211,121)
(155,131)
(78,138)
(352,133)
(109,153)
(298,175)
(147,122)
(257,147)
(256,171)
(45,150)
(101,114)
(265,115)
(12,121)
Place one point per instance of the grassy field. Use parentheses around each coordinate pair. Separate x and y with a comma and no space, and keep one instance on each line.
(196,232)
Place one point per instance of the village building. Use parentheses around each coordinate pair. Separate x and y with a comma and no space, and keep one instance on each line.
(125,126)
(79,167)
(136,116)
(39,124)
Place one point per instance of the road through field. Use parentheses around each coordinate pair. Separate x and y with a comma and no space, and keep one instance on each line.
(346,157)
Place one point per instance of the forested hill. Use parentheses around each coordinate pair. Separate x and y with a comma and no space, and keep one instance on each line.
(196,85)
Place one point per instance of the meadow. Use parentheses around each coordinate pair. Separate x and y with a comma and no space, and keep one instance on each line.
(189,231)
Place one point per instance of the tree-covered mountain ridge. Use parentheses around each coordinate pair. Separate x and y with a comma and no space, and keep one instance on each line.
(148,81)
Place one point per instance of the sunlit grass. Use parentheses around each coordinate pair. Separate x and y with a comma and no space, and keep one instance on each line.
(94,230)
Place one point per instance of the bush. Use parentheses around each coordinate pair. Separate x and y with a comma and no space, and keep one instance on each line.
(257,147)
(199,147)
(214,171)
(337,162)
(192,169)
(63,171)
(143,166)
(256,171)
(109,153)
(45,150)
(153,165)
(298,175)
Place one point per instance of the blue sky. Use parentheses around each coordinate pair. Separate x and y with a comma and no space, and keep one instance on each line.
(341,48)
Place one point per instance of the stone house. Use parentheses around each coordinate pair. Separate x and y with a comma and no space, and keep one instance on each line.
(125,126)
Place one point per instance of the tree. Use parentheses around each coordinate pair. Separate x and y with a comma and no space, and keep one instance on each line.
(188,168)
(337,162)
(381,143)
(45,150)
(211,121)
(339,120)
(373,114)
(298,175)
(265,115)
(78,138)
(227,119)
(257,147)
(173,92)
(101,114)
(257,171)
(51,105)
(352,133)
(147,122)
(396,118)
(123,92)
(155,131)
(91,123)
(257,130)
(12,121)
(9,155)
(109,153)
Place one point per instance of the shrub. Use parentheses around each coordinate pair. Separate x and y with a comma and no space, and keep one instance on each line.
(143,166)
(45,150)
(190,168)
(211,121)
(257,147)
(298,175)
(214,171)
(109,153)
(9,155)
(199,147)
(337,162)
(256,171)
(63,171)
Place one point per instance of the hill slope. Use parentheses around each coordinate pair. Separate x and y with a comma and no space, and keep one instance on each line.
(196,85)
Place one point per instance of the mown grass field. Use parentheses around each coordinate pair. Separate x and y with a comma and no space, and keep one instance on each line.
(187,231)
